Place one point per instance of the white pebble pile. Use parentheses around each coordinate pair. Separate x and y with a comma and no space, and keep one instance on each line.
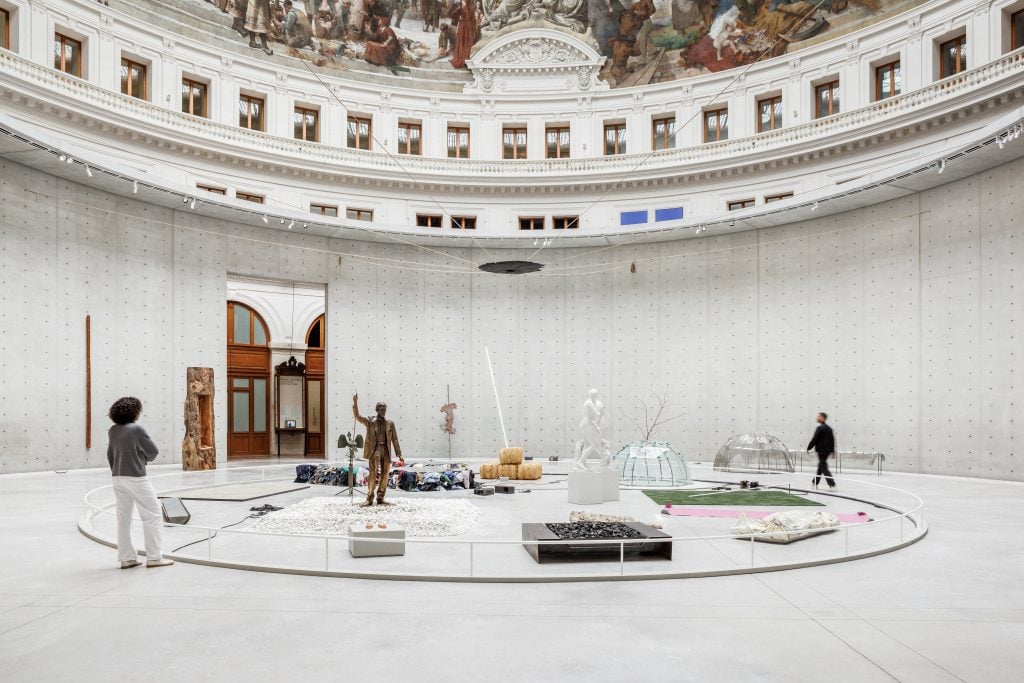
(333,516)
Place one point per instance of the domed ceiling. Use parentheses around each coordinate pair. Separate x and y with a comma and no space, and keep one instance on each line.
(644,41)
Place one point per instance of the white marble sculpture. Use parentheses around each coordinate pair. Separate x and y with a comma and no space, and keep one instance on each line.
(592,478)
(592,445)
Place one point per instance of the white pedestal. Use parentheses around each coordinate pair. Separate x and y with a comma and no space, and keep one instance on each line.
(610,484)
(586,487)
(360,548)
(589,487)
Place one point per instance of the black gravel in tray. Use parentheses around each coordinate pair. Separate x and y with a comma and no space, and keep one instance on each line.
(592,530)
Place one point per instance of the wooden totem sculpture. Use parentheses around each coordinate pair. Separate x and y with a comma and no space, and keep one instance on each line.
(198,449)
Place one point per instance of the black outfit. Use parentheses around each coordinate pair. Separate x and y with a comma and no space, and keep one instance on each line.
(824,443)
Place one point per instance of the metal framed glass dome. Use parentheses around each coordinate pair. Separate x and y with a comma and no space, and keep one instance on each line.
(651,464)
(753,452)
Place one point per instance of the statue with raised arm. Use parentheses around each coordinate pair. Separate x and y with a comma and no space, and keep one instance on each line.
(592,444)
(381,438)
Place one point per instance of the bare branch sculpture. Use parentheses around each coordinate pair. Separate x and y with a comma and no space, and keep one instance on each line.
(652,415)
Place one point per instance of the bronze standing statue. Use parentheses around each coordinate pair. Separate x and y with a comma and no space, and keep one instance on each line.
(380,439)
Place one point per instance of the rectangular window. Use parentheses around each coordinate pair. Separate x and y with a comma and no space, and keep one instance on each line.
(427,220)
(67,55)
(250,112)
(193,97)
(324,210)
(211,189)
(409,138)
(716,125)
(513,143)
(464,222)
(769,114)
(249,197)
(360,132)
(359,214)
(565,222)
(614,138)
(826,99)
(307,124)
(1016,30)
(458,142)
(888,80)
(953,56)
(741,204)
(663,132)
(777,197)
(557,141)
(133,79)
(5,29)
(632,217)
(673,214)
(531,223)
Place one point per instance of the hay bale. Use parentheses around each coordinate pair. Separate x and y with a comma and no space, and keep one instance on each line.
(489,470)
(510,456)
(510,471)
(530,470)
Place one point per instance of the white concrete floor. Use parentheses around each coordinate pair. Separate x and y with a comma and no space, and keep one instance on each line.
(948,608)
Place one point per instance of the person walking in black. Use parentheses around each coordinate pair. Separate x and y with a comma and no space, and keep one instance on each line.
(824,443)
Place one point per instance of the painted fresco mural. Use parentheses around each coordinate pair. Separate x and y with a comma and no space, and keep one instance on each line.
(646,41)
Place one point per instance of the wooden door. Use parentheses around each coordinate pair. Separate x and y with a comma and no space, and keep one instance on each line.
(248,417)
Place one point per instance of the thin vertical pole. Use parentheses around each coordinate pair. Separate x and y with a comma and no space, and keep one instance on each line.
(622,558)
(751,551)
(209,545)
(327,561)
(88,381)
(471,545)
(846,539)
(497,401)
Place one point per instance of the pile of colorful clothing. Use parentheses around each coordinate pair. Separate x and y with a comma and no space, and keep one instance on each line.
(413,480)
(329,475)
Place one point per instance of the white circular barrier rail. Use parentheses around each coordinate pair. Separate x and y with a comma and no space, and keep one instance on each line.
(485,560)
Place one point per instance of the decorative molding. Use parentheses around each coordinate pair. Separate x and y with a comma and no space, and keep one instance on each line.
(535,61)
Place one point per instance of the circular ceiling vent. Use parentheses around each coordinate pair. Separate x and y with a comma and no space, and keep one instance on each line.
(511,267)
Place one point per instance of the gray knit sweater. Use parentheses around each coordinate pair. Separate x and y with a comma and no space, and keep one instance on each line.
(129,448)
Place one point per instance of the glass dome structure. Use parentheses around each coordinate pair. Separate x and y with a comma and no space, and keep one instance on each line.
(753,452)
(651,464)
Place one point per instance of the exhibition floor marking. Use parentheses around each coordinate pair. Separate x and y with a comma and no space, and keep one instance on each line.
(249,490)
(756,497)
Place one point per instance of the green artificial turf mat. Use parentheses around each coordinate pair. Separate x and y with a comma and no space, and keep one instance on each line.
(761,497)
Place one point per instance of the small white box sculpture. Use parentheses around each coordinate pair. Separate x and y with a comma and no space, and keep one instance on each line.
(362,548)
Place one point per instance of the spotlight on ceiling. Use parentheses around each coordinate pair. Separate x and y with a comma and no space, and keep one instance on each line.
(305,225)
(184,199)
(63,157)
(282,221)
(70,160)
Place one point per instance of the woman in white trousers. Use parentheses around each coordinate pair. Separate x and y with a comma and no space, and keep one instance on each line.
(129,448)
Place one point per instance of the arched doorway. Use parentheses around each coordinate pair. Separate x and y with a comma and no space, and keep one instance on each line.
(248,383)
(316,419)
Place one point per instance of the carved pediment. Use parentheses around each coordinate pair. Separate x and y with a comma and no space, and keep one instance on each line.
(536,60)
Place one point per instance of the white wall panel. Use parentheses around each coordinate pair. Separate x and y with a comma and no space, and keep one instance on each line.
(901,320)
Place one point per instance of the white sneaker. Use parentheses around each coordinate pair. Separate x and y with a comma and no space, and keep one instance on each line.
(159,563)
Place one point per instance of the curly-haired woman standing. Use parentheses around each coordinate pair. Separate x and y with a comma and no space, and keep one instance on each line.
(129,449)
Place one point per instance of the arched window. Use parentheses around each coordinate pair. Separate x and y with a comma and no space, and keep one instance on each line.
(315,334)
(245,326)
